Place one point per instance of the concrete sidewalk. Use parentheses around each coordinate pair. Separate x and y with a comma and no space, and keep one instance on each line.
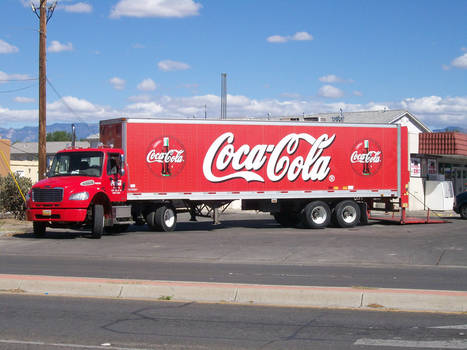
(299,296)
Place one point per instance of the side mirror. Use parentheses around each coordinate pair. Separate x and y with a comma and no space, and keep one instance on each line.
(122,165)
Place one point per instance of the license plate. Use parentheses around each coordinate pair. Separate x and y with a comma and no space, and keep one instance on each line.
(47,212)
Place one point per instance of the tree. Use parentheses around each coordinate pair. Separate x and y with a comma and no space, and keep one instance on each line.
(58,136)
(10,198)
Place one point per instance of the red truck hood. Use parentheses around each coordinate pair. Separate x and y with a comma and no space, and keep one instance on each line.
(63,182)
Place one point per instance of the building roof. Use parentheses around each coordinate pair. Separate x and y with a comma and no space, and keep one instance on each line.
(52,147)
(391,116)
(93,137)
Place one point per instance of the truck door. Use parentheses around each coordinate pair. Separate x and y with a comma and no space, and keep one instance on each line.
(115,178)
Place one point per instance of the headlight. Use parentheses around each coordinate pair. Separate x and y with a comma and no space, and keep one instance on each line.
(80,196)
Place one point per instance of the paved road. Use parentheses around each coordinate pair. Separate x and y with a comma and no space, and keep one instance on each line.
(341,276)
(65,323)
(254,249)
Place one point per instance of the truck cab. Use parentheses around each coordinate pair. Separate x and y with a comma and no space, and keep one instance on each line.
(84,188)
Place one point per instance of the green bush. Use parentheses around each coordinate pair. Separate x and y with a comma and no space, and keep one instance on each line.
(10,198)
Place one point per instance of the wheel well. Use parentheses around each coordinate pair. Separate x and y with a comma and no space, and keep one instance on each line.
(101,198)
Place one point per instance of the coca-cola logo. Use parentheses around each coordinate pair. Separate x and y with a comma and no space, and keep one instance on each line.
(225,161)
(366,157)
(165,156)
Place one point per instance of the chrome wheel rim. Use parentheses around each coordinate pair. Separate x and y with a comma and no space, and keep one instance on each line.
(169,218)
(349,214)
(318,215)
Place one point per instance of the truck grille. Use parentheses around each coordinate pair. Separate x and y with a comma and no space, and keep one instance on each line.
(43,195)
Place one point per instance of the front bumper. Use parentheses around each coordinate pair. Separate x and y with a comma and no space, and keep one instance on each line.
(56,215)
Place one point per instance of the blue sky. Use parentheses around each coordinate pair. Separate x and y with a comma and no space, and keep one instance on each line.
(164,58)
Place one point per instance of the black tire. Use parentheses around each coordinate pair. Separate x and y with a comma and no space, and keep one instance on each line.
(463,212)
(286,219)
(39,228)
(316,214)
(97,221)
(166,218)
(150,217)
(347,214)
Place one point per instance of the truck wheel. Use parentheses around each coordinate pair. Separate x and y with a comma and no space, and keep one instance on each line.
(151,220)
(347,214)
(166,218)
(317,215)
(463,212)
(97,221)
(39,228)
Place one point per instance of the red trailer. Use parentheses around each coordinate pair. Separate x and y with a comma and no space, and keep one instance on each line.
(150,170)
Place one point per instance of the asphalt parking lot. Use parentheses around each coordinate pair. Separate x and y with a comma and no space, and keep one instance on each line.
(257,239)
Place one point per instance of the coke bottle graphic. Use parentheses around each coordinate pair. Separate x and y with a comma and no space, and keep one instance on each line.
(165,163)
(366,167)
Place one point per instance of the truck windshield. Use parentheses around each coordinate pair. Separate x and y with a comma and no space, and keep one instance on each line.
(76,163)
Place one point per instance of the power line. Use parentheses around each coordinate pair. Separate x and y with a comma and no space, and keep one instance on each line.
(67,105)
(26,79)
(20,89)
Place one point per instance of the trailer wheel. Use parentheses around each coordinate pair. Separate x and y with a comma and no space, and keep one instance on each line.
(151,220)
(347,214)
(97,221)
(166,218)
(39,228)
(317,215)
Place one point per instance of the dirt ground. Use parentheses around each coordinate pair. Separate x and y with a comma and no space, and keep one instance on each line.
(10,226)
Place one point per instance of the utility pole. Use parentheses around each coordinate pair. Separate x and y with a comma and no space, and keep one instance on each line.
(44,15)
(224,96)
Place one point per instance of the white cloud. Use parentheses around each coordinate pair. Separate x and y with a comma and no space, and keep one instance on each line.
(299,36)
(460,62)
(155,8)
(277,39)
(7,48)
(147,85)
(117,83)
(169,65)
(435,111)
(302,36)
(56,46)
(333,79)
(76,104)
(144,109)
(357,93)
(21,99)
(330,91)
(4,77)
(79,7)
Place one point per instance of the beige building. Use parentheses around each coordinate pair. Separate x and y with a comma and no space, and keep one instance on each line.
(4,155)
(27,168)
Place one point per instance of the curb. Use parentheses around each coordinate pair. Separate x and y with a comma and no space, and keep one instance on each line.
(300,296)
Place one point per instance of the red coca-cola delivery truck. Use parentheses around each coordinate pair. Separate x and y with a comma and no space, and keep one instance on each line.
(150,170)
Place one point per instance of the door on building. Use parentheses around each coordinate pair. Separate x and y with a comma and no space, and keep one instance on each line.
(459,179)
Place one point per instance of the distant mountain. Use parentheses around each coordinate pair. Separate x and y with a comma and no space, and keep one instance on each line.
(451,129)
(30,133)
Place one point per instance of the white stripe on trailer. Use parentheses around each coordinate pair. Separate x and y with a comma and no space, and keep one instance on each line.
(263,195)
